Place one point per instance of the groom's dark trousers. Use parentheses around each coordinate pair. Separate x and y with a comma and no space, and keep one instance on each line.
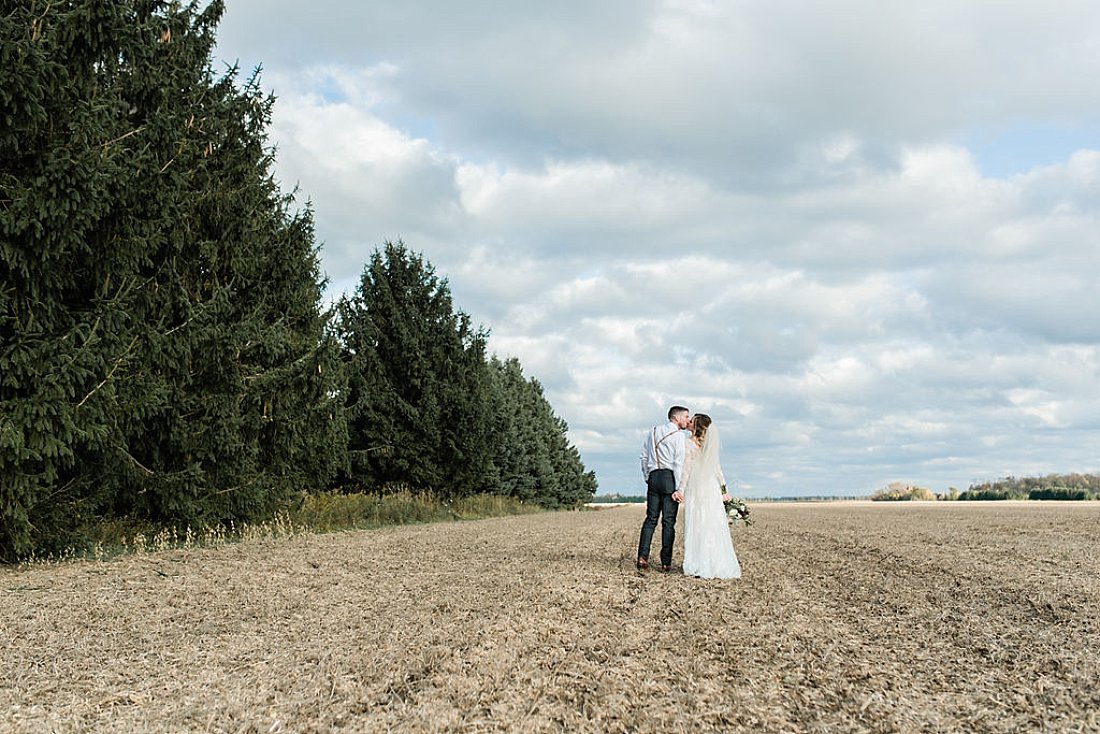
(659,504)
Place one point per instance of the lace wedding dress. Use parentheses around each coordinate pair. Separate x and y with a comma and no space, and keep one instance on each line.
(708,549)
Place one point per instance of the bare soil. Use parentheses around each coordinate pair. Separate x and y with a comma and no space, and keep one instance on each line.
(850,617)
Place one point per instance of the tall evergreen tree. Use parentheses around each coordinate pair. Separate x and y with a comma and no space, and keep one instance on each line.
(239,392)
(417,413)
(161,347)
(63,320)
(533,457)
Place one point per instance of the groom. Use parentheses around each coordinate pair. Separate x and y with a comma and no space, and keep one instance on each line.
(662,459)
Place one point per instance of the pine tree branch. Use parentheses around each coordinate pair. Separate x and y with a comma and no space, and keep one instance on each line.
(114,368)
(137,463)
(179,326)
(108,143)
(59,491)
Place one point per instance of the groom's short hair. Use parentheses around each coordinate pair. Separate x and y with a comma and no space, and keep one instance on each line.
(676,410)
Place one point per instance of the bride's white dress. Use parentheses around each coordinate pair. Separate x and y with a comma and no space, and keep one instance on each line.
(708,548)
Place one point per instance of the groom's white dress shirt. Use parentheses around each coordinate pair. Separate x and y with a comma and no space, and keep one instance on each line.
(664,449)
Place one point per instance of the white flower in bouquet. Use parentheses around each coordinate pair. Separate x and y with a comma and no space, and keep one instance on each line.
(737,511)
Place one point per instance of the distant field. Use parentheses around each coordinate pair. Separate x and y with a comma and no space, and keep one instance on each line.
(851,616)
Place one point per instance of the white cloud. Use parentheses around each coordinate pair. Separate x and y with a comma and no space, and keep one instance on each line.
(764,211)
(368,181)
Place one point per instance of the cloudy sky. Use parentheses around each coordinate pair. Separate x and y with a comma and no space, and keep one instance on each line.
(863,236)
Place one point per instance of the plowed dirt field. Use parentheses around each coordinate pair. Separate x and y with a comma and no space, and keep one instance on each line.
(850,617)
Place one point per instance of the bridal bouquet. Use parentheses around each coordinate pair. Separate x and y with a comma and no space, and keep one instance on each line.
(737,511)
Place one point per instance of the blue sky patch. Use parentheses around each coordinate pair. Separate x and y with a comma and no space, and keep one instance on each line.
(1023,146)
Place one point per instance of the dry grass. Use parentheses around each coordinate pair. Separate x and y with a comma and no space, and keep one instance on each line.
(850,617)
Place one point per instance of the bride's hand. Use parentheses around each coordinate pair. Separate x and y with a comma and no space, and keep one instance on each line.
(726,497)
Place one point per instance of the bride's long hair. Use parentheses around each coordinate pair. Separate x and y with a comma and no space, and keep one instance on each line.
(702,423)
(705,473)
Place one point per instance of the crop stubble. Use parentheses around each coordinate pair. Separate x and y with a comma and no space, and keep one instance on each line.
(850,617)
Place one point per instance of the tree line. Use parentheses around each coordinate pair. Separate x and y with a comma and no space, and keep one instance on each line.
(164,351)
(1047,487)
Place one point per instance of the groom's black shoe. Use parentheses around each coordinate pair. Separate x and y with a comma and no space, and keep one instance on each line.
(642,564)
(665,568)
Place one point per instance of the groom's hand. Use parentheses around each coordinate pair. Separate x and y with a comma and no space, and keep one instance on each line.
(678,496)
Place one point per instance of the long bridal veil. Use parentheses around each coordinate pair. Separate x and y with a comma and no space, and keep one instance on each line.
(708,549)
(706,470)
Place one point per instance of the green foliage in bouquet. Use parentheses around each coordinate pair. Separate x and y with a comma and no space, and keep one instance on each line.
(737,510)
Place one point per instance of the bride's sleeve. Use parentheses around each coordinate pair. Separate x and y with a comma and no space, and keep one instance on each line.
(685,471)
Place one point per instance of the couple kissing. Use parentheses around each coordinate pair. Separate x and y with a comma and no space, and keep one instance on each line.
(681,464)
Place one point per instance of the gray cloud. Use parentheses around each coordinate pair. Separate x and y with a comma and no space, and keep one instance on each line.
(742,92)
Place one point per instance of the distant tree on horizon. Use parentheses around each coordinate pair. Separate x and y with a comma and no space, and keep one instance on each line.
(900,491)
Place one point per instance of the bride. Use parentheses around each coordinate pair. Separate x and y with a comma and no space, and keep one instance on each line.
(708,549)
